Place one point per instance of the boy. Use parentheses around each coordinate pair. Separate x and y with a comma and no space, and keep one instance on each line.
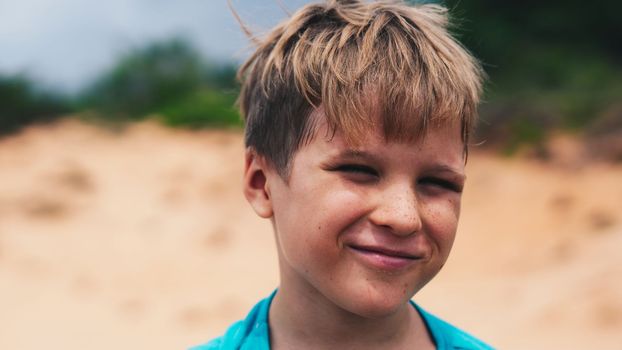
(358,116)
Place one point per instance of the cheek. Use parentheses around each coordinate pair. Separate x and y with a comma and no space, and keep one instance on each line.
(312,229)
(442,222)
(326,205)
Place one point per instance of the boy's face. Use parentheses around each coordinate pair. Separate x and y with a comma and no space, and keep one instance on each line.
(365,228)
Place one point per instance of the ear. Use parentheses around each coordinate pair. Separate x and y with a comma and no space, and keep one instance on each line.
(256,183)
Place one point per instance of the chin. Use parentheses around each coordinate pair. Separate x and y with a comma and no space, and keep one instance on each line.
(375,304)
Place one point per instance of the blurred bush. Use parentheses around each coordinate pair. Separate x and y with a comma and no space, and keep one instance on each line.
(552,65)
(21,103)
(145,80)
(168,79)
(204,107)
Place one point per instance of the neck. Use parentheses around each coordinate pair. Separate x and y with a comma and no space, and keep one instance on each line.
(302,318)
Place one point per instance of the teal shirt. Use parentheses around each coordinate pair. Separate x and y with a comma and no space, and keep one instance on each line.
(253,332)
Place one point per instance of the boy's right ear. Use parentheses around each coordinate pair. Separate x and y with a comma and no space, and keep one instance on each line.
(255,184)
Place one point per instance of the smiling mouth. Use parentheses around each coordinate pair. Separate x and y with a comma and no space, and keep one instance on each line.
(383,258)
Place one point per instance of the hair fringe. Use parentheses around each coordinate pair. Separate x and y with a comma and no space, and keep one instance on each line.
(362,63)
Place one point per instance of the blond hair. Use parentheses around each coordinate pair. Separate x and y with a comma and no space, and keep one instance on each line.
(359,62)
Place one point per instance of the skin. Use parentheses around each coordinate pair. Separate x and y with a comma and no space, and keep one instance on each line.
(341,203)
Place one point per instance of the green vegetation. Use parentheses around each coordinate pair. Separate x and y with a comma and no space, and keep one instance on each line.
(169,80)
(146,80)
(21,104)
(551,65)
(205,107)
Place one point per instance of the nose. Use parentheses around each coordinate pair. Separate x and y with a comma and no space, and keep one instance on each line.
(397,209)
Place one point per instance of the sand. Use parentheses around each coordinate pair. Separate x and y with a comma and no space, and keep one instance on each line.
(141,239)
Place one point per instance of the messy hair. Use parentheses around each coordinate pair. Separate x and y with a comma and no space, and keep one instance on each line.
(360,63)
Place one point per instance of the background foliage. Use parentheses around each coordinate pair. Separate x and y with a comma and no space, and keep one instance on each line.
(551,65)
(22,103)
(168,79)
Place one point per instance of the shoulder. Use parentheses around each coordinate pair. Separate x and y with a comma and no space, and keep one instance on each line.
(232,339)
(448,336)
(249,333)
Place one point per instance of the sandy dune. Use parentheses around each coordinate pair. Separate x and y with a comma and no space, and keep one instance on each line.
(141,239)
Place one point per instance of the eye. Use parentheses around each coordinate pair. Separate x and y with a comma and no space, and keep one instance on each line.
(357,168)
(443,184)
(358,172)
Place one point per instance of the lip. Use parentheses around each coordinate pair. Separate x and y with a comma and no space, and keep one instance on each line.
(384,258)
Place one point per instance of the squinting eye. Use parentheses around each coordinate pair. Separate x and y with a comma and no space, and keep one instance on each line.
(357,169)
(442,183)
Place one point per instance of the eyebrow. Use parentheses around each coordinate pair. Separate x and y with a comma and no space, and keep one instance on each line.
(448,169)
(355,153)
